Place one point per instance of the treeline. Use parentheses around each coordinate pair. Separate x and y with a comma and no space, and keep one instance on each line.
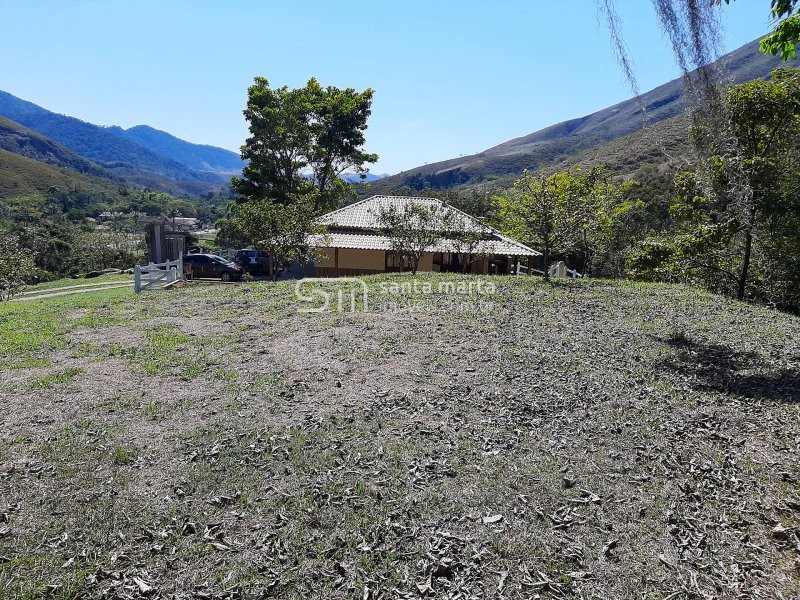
(70,232)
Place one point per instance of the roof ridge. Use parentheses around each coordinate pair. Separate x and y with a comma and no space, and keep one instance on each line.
(333,212)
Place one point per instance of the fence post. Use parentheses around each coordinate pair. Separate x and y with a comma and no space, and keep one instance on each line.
(137,279)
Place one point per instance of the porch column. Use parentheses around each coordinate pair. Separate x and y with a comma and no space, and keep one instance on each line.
(336,261)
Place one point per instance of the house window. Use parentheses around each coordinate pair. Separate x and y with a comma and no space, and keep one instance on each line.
(395,261)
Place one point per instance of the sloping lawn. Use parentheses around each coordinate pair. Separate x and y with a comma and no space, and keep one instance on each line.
(574,440)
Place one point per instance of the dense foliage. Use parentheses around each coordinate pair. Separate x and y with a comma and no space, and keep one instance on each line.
(736,220)
(573,214)
(16,266)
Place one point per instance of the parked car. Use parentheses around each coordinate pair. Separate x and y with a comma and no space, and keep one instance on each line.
(211,265)
(255,262)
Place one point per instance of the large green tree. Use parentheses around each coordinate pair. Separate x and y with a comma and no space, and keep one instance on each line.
(537,210)
(765,119)
(301,141)
(570,213)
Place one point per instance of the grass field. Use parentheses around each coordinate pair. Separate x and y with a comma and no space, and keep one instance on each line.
(574,440)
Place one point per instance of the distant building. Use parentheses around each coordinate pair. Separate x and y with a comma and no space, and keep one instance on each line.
(167,238)
(184,223)
(354,244)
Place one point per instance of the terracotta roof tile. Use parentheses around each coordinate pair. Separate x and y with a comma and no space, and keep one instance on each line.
(361,218)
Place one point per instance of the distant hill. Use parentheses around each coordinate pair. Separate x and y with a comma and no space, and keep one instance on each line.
(355,178)
(562,141)
(195,156)
(23,141)
(33,164)
(121,154)
(21,175)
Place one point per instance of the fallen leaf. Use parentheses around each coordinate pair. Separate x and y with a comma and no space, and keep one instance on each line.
(144,587)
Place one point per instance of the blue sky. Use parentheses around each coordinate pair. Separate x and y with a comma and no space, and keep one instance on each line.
(450,77)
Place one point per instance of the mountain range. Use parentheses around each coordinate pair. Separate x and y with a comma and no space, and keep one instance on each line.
(141,154)
(557,143)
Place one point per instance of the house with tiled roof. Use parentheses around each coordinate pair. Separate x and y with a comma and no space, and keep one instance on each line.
(354,243)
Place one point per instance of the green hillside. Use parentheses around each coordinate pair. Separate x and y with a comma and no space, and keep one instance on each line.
(31,163)
(23,141)
(20,175)
(650,156)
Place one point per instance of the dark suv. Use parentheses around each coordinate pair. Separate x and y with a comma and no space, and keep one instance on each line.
(211,265)
(255,262)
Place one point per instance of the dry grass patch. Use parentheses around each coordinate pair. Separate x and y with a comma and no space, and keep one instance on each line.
(586,439)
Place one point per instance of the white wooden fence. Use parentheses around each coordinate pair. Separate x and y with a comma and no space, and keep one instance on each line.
(155,276)
(558,269)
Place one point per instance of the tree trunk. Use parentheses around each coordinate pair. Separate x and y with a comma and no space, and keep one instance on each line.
(545,261)
(414,261)
(271,267)
(748,245)
(585,253)
(748,248)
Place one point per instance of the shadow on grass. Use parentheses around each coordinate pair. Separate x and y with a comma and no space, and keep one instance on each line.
(720,368)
